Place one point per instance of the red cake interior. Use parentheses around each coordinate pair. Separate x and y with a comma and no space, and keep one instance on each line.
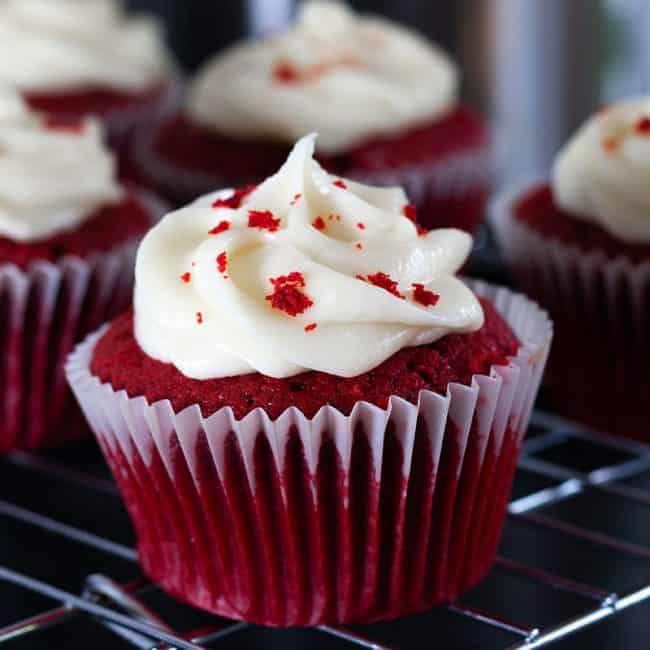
(119,361)
(194,148)
(107,228)
(539,211)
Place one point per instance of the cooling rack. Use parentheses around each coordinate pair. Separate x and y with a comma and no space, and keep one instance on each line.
(575,557)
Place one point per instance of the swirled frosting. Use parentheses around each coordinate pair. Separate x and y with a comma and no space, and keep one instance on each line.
(602,174)
(305,272)
(59,45)
(348,77)
(52,176)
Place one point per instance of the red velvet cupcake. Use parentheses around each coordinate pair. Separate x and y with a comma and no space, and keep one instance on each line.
(383,101)
(75,59)
(580,245)
(67,241)
(310,417)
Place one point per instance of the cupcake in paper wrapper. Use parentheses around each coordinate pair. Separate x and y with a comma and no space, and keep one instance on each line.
(335,519)
(46,309)
(248,105)
(303,512)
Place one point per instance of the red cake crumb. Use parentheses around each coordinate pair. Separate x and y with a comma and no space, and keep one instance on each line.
(287,296)
(119,361)
(359,246)
(105,229)
(295,199)
(538,210)
(318,223)
(284,72)
(311,327)
(424,296)
(186,277)
(222,226)
(643,126)
(361,226)
(341,184)
(263,219)
(222,262)
(199,318)
(610,144)
(234,202)
(410,212)
(383,281)
(67,125)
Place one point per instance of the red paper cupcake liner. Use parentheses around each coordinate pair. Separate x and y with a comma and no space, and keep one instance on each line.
(337,519)
(449,191)
(598,372)
(44,311)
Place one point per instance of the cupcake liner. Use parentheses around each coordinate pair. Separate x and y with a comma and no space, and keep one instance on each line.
(598,371)
(335,519)
(44,311)
(451,190)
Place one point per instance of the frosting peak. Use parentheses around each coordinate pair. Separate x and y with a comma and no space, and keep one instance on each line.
(305,272)
(348,77)
(602,173)
(70,44)
(52,175)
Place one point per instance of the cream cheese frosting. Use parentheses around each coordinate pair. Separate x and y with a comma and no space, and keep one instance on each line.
(305,272)
(602,175)
(52,176)
(349,77)
(63,45)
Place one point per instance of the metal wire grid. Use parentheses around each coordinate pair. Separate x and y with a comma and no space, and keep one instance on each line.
(121,609)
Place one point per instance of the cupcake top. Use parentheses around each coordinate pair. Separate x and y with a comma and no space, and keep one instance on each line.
(602,174)
(63,45)
(53,175)
(305,272)
(346,76)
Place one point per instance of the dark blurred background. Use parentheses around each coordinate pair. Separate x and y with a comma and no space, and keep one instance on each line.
(538,66)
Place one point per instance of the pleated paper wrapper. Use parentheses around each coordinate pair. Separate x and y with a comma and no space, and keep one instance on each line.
(337,519)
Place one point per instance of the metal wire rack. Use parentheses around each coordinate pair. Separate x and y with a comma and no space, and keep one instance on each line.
(575,552)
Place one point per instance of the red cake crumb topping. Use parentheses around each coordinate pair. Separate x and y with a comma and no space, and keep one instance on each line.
(361,226)
(383,281)
(284,72)
(186,277)
(119,360)
(424,296)
(610,144)
(359,247)
(263,219)
(74,126)
(234,202)
(341,184)
(287,296)
(643,126)
(311,327)
(295,199)
(222,226)
(199,318)
(411,213)
(319,223)
(222,262)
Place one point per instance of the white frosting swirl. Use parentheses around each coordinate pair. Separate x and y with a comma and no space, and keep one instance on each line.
(52,178)
(204,301)
(355,77)
(602,175)
(59,45)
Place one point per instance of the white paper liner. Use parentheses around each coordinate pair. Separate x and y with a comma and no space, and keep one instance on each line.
(602,311)
(45,310)
(459,509)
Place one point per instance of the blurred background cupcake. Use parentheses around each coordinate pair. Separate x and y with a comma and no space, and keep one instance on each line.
(73,59)
(580,244)
(383,100)
(67,241)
